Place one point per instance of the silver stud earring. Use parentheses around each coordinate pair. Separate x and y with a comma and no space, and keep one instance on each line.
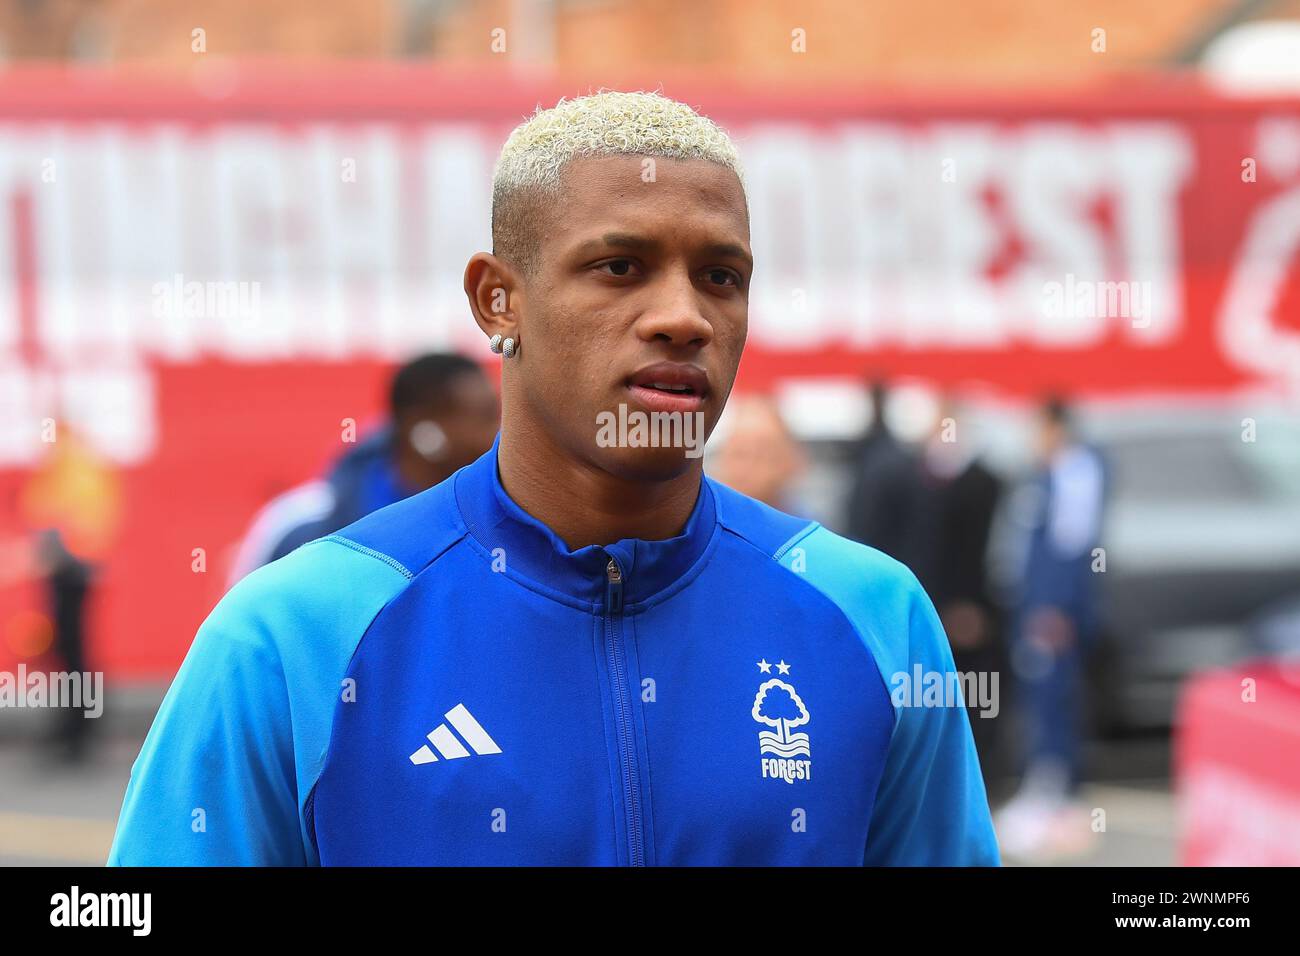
(495,344)
(508,348)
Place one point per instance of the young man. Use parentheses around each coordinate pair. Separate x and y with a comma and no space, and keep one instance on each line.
(578,649)
(1055,626)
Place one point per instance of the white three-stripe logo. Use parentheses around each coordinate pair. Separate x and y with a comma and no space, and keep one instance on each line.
(449,746)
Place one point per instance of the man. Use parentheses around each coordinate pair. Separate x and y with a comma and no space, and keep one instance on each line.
(577,650)
(72,506)
(443,414)
(1055,624)
(949,530)
(883,498)
(760,457)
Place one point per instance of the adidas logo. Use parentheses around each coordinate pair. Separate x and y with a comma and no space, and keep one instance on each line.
(449,746)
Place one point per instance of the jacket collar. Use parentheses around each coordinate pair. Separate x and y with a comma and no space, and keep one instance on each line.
(533,554)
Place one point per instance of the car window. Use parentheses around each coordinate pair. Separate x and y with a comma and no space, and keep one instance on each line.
(1214,466)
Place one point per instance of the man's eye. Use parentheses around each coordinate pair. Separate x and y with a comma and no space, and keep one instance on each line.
(723,277)
(617,267)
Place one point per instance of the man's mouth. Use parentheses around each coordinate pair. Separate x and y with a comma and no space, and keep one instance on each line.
(670,387)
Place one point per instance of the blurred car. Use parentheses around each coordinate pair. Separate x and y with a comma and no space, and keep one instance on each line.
(1202,539)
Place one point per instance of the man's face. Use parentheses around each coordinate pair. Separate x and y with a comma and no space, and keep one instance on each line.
(472,420)
(468,418)
(637,285)
(1049,439)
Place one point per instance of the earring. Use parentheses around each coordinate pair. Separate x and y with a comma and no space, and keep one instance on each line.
(495,344)
(508,348)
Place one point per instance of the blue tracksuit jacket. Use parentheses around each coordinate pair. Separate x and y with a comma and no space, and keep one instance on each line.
(445,682)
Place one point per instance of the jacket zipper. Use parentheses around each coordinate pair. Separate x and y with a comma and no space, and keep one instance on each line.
(623,710)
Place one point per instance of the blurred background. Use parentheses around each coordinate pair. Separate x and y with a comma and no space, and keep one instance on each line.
(1026,315)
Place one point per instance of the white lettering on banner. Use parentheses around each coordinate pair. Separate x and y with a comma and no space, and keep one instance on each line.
(111,404)
(1152,164)
(1249,328)
(861,239)
(902,257)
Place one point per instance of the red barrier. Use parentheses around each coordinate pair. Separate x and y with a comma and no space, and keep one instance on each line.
(1237,767)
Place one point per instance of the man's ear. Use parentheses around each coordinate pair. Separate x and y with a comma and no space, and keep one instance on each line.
(495,294)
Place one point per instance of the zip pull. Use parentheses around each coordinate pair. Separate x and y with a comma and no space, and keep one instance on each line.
(613,587)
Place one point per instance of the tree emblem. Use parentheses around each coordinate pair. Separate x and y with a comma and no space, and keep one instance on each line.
(778,705)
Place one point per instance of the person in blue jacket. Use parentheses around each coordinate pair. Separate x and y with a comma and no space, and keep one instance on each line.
(442,415)
(579,649)
(1061,515)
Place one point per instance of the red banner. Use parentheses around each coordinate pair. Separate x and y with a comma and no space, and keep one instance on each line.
(204,280)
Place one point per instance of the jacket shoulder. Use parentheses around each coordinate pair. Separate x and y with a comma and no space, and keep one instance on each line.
(409,534)
(879,595)
(770,530)
(873,572)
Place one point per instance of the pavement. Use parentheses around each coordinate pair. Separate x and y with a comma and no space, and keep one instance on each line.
(58,813)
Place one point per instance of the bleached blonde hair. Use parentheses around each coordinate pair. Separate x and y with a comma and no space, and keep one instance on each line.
(608,123)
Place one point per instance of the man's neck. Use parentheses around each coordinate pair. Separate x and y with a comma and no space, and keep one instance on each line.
(585,505)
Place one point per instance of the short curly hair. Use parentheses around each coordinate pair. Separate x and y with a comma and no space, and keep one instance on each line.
(608,123)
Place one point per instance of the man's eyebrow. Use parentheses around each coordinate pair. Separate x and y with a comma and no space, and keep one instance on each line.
(620,240)
(627,240)
(730,249)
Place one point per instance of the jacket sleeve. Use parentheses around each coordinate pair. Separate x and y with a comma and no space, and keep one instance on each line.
(242,735)
(931,808)
(214,783)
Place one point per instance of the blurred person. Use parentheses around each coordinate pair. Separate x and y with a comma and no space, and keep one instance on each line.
(566,652)
(443,413)
(72,504)
(1055,620)
(883,495)
(948,541)
(760,458)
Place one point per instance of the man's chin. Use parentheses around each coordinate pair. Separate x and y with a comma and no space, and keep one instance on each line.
(648,464)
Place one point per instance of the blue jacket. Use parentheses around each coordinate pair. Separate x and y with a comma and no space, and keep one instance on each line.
(445,682)
(1065,526)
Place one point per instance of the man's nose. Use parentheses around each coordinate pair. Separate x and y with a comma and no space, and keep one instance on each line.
(676,317)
